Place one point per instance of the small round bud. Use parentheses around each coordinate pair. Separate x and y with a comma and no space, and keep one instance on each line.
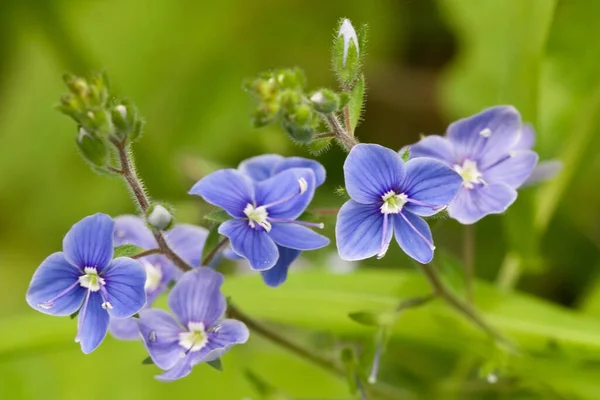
(93,149)
(301,115)
(264,114)
(325,101)
(290,99)
(159,217)
(302,134)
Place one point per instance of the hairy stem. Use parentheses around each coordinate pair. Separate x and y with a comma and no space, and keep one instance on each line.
(340,133)
(211,256)
(347,120)
(143,201)
(146,253)
(468,253)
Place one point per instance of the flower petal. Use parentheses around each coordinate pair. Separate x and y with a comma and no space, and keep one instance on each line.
(160,333)
(414,236)
(278,274)
(56,280)
(370,171)
(188,242)
(130,229)
(470,205)
(260,167)
(197,297)
(514,170)
(124,328)
(286,185)
(227,188)
(89,243)
(434,146)
(181,369)
(526,138)
(93,323)
(359,231)
(297,237)
(543,172)
(254,245)
(486,137)
(431,182)
(224,335)
(125,279)
(300,162)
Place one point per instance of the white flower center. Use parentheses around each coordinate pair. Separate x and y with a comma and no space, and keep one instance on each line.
(195,338)
(257,215)
(393,203)
(470,174)
(153,276)
(91,280)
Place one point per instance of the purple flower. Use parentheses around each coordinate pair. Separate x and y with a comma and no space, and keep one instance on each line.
(264,213)
(491,156)
(85,278)
(389,196)
(544,170)
(262,167)
(186,240)
(198,334)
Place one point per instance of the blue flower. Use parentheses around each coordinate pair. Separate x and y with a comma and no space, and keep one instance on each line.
(262,167)
(264,213)
(198,334)
(85,278)
(544,170)
(493,158)
(389,196)
(186,240)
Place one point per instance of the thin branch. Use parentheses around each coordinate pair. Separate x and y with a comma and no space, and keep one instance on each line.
(415,302)
(146,253)
(347,120)
(340,133)
(468,254)
(210,256)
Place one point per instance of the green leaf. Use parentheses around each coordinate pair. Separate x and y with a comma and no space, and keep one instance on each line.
(216,364)
(356,103)
(127,250)
(370,318)
(320,145)
(147,361)
(212,241)
(349,360)
(218,216)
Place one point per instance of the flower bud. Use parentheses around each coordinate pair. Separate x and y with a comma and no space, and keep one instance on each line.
(302,134)
(346,53)
(119,118)
(325,101)
(93,149)
(265,113)
(291,79)
(159,217)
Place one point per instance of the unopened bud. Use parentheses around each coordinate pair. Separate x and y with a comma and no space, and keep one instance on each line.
(302,134)
(159,217)
(265,113)
(325,101)
(346,53)
(93,149)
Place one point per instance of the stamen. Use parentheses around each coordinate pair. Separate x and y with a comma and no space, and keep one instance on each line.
(384,244)
(392,202)
(50,303)
(470,173)
(154,276)
(91,280)
(319,225)
(431,246)
(303,187)
(486,133)
(421,204)
(194,339)
(257,215)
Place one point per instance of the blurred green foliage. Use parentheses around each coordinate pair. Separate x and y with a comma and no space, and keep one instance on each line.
(428,62)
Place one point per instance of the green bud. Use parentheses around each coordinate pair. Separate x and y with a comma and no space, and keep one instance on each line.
(93,149)
(264,114)
(302,134)
(137,130)
(290,99)
(264,88)
(119,119)
(291,78)
(346,54)
(301,115)
(325,101)
(159,217)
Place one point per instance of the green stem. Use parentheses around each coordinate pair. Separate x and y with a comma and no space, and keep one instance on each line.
(468,253)
(146,253)
(340,133)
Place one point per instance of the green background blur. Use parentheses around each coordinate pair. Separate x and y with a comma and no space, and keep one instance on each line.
(428,62)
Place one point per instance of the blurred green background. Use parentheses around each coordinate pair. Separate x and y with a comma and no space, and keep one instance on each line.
(429,62)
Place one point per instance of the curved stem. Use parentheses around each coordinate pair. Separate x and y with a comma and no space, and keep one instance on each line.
(146,253)
(340,133)
(211,256)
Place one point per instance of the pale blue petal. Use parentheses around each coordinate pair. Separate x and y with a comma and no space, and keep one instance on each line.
(434,146)
(89,243)
(526,139)
(56,279)
(160,333)
(221,338)
(297,237)
(188,242)
(501,127)
(254,245)
(300,162)
(470,205)
(278,274)
(130,229)
(431,182)
(285,185)
(409,235)
(93,323)
(260,167)
(370,171)
(359,231)
(227,188)
(513,170)
(181,369)
(124,328)
(544,171)
(197,297)
(124,281)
